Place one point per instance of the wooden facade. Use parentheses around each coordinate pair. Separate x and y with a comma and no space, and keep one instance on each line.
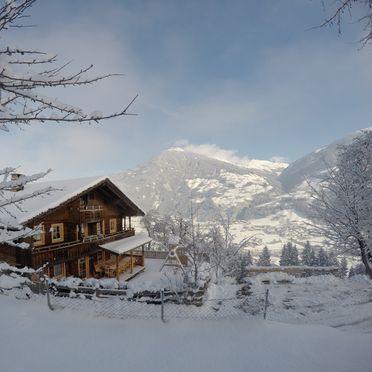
(72,233)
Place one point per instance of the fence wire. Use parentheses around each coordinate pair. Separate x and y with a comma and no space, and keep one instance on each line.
(126,308)
(116,307)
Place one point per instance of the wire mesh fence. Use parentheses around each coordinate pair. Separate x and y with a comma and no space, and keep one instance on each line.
(124,308)
(118,305)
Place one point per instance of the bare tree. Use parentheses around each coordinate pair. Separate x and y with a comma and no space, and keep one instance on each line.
(24,72)
(343,200)
(195,247)
(342,7)
(10,231)
(225,254)
(210,249)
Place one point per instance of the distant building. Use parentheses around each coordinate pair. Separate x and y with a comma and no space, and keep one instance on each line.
(85,230)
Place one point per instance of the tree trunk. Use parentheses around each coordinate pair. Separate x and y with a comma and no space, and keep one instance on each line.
(366,257)
(195,275)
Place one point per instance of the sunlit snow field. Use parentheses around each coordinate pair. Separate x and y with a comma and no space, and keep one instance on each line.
(36,339)
(313,324)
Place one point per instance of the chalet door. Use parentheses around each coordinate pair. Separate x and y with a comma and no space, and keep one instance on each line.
(72,268)
(68,268)
(92,229)
(92,261)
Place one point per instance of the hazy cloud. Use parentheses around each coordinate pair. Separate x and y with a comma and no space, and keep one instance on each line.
(275,96)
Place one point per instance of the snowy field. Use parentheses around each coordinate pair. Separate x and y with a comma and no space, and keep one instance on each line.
(36,339)
(314,324)
(324,299)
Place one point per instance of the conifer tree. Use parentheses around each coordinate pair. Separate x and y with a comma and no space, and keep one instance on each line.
(308,255)
(264,258)
(289,255)
(284,256)
(313,258)
(322,257)
(293,255)
(332,259)
(342,271)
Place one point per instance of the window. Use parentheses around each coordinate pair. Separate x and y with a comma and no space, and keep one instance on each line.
(82,267)
(112,225)
(83,201)
(57,269)
(57,232)
(39,238)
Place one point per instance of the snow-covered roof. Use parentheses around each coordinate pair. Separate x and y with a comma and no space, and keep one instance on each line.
(64,191)
(127,244)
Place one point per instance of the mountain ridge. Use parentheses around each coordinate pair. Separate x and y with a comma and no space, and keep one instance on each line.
(270,203)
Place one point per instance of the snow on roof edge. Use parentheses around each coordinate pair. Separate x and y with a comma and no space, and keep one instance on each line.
(127,244)
(55,203)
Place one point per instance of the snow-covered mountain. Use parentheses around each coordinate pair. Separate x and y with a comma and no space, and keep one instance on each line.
(250,191)
(171,180)
(267,199)
(313,165)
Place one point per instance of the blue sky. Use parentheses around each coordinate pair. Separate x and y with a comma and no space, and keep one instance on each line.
(248,76)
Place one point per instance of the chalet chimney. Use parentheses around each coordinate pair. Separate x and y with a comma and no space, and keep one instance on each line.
(16,177)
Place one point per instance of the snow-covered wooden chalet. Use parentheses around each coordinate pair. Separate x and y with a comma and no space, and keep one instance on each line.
(85,230)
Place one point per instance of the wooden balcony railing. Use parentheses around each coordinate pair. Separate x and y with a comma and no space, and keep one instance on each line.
(74,250)
(90,213)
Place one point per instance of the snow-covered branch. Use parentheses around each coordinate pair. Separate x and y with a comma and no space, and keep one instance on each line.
(343,200)
(342,7)
(10,198)
(18,199)
(23,72)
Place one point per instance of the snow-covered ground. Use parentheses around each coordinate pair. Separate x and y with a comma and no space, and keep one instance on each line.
(325,299)
(318,323)
(36,339)
(151,278)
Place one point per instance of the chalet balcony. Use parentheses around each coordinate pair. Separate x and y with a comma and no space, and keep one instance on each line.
(91,213)
(76,249)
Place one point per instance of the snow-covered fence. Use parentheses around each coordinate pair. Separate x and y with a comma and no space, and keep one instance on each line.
(121,307)
(121,303)
(297,271)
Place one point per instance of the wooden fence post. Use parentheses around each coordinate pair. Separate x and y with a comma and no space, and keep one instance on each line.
(46,281)
(266,298)
(162,305)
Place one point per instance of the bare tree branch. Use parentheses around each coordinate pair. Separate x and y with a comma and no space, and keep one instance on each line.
(20,101)
(343,200)
(346,6)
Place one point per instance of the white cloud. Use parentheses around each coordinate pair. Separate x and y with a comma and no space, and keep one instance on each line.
(230,156)
(280,107)
(215,152)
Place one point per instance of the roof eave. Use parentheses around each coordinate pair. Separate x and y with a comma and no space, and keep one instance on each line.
(98,184)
